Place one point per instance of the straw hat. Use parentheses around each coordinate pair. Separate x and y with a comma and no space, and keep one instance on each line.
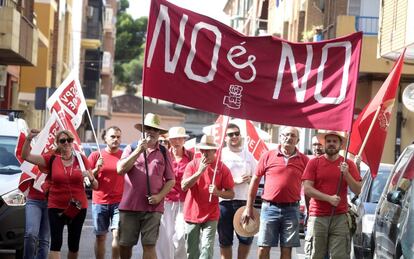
(207,142)
(246,230)
(177,132)
(323,133)
(151,120)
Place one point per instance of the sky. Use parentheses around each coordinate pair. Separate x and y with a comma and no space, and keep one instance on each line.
(212,8)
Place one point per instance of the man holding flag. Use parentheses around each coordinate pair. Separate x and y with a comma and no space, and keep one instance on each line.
(328,231)
(201,213)
(142,204)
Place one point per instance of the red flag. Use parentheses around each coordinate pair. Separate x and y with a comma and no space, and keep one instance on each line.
(255,144)
(384,100)
(68,99)
(219,129)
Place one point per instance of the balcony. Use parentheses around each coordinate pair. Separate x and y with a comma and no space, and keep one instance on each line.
(92,38)
(18,38)
(367,24)
(102,107)
(369,63)
(396,30)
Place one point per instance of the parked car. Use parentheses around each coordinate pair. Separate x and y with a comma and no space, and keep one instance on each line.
(365,208)
(12,200)
(393,207)
(407,243)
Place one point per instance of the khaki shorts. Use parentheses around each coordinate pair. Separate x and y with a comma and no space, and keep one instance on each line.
(335,241)
(134,223)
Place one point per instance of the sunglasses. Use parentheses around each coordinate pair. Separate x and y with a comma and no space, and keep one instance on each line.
(64,140)
(237,133)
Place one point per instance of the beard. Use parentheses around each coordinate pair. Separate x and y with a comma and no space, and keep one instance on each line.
(331,151)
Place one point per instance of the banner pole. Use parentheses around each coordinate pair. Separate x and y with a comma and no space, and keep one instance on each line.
(145,152)
(93,131)
(218,157)
(369,130)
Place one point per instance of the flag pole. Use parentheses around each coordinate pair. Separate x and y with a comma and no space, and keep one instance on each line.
(218,157)
(145,151)
(369,130)
(341,176)
(94,133)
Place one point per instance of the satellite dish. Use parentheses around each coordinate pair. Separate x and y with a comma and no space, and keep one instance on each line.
(408,97)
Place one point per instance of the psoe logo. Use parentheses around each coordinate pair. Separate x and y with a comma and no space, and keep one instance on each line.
(233,100)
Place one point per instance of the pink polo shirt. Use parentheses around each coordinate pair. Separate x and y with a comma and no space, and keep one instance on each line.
(134,197)
(176,193)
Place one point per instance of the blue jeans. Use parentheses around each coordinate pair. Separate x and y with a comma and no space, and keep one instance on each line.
(37,232)
(279,224)
(225,227)
(105,216)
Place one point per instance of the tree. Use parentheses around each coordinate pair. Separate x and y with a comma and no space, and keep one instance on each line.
(130,45)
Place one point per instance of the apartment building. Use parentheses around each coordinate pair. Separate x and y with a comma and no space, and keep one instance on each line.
(315,20)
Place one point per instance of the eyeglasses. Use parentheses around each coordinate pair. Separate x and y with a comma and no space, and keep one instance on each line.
(286,135)
(64,140)
(231,134)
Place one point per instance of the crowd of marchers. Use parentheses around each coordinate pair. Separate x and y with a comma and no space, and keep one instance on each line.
(174,201)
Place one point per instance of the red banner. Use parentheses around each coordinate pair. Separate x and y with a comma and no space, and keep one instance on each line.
(199,62)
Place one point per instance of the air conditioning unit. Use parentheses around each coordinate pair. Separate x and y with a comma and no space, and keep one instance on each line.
(89,12)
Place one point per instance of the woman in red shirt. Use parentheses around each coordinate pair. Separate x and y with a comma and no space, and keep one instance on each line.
(66,190)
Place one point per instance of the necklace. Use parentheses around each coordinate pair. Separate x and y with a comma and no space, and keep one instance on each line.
(71,170)
(66,159)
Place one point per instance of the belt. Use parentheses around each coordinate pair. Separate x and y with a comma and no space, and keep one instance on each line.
(284,204)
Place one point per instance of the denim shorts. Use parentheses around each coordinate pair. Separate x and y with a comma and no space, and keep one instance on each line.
(279,224)
(225,227)
(105,216)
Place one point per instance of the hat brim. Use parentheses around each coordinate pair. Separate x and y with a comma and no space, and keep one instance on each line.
(238,226)
(321,138)
(179,136)
(138,126)
(206,147)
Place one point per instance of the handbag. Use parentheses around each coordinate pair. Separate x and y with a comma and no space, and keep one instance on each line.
(73,209)
(352,218)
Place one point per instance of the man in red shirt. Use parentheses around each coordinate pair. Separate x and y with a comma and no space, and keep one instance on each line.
(200,213)
(328,230)
(279,219)
(105,200)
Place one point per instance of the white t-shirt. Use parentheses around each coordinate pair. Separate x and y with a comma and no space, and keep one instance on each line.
(239,164)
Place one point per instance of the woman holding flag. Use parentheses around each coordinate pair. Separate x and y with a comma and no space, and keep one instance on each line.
(67,203)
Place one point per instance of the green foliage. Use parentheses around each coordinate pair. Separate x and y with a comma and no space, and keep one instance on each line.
(129,50)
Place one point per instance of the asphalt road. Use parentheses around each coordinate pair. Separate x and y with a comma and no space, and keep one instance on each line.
(87,241)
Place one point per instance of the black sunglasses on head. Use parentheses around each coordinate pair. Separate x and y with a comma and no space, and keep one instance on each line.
(237,133)
(64,140)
